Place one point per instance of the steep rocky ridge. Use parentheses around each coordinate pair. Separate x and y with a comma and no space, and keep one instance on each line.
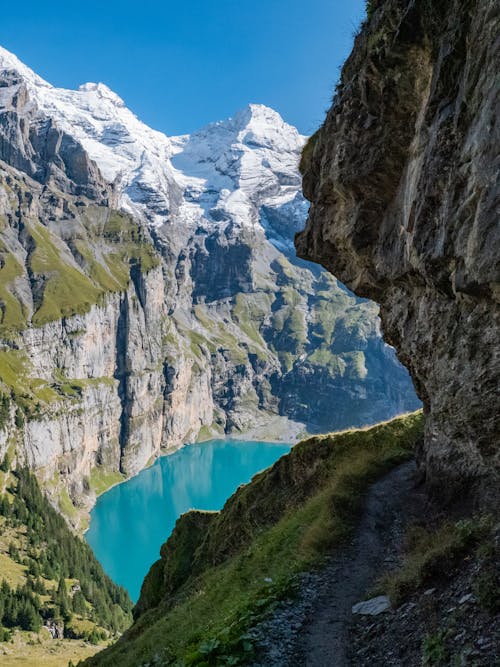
(149,292)
(403,177)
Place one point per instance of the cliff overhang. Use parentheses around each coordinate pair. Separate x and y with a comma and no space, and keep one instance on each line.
(404,189)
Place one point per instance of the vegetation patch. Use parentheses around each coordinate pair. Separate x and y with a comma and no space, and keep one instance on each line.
(68,276)
(249,311)
(431,556)
(28,649)
(434,651)
(210,432)
(66,290)
(131,243)
(101,479)
(49,576)
(29,394)
(12,312)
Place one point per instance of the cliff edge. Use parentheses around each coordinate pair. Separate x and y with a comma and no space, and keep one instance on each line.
(403,179)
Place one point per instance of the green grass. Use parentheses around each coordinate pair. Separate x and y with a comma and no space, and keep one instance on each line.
(112,277)
(12,313)
(356,367)
(63,287)
(213,338)
(74,387)
(12,572)
(325,358)
(133,245)
(30,649)
(101,480)
(66,289)
(209,432)
(434,652)
(66,505)
(431,555)
(219,572)
(289,324)
(31,394)
(13,368)
(249,311)
(126,244)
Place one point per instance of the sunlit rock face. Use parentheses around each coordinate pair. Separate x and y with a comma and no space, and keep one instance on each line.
(403,178)
(150,294)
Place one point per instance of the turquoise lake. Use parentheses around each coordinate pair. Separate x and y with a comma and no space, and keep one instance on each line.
(131,521)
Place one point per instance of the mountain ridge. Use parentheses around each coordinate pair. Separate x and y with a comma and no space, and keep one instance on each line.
(132,156)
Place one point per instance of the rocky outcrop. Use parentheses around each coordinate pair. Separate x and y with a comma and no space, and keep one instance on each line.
(403,178)
(82,323)
(36,146)
(115,357)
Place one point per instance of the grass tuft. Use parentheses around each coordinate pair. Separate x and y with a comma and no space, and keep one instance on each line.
(431,555)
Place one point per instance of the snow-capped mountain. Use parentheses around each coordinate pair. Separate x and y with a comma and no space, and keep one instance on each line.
(231,167)
(128,153)
(223,172)
(157,275)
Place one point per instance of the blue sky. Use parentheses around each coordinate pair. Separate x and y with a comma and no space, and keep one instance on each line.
(181,64)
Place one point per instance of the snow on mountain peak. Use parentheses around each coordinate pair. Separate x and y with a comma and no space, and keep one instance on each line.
(256,115)
(127,152)
(226,171)
(262,126)
(231,168)
(256,125)
(10,62)
(102,90)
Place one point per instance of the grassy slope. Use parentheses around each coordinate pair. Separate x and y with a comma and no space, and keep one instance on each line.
(29,650)
(68,290)
(67,276)
(219,572)
(67,269)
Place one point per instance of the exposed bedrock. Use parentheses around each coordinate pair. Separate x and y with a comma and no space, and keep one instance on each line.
(403,178)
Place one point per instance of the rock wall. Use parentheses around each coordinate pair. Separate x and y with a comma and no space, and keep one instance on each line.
(403,178)
(115,350)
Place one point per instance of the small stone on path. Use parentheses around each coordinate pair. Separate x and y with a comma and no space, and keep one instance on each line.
(372,607)
(466,598)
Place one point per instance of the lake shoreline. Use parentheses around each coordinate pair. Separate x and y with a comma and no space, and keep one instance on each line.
(133,518)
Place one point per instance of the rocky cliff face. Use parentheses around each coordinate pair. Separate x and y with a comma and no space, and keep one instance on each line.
(82,312)
(404,183)
(149,292)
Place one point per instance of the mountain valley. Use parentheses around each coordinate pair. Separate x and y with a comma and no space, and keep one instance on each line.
(159,291)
